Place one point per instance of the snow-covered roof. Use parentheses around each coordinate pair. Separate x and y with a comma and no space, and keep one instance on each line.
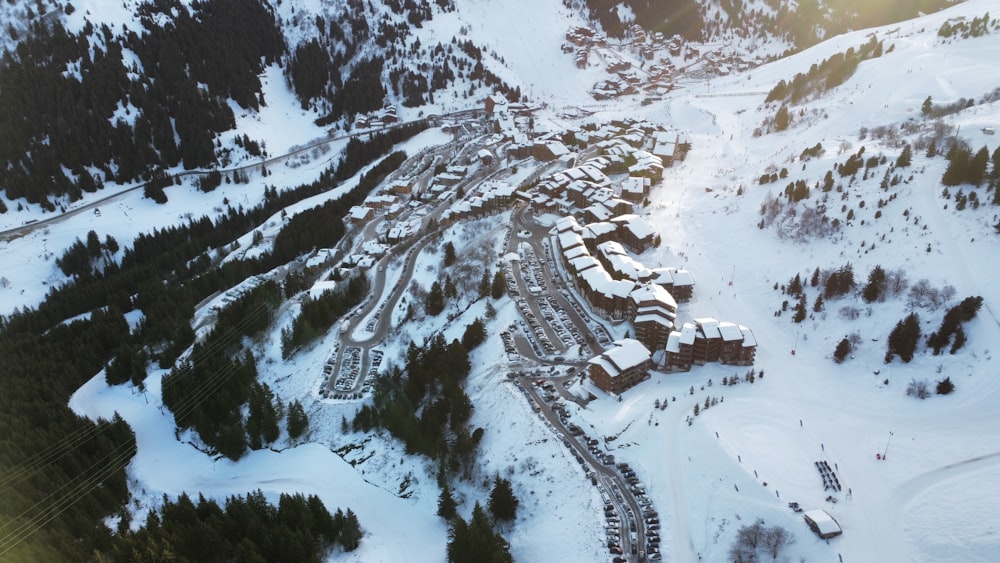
(599,211)
(618,288)
(595,278)
(595,230)
(673,342)
(654,293)
(611,248)
(576,252)
(730,332)
(567,224)
(625,354)
(636,224)
(585,262)
(823,521)
(321,287)
(568,240)
(748,338)
(688,332)
(652,318)
(632,184)
(709,327)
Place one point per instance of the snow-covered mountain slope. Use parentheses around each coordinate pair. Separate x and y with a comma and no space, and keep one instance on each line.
(936,495)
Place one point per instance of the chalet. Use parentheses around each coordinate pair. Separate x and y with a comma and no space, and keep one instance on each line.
(575,252)
(621,367)
(374,248)
(447,179)
(679,283)
(597,213)
(635,189)
(653,329)
(651,295)
(619,206)
(652,311)
(380,202)
(486,157)
(359,214)
(495,103)
(607,295)
(822,523)
(596,233)
(549,150)
(401,187)
(393,210)
(634,232)
(579,264)
(708,341)
(570,239)
(321,257)
(680,348)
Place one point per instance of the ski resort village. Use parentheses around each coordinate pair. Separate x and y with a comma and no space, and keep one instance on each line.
(500,281)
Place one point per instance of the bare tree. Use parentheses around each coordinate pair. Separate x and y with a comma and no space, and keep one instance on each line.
(776,538)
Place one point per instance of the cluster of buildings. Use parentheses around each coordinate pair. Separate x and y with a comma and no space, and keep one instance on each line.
(488,198)
(377,119)
(620,367)
(616,285)
(708,340)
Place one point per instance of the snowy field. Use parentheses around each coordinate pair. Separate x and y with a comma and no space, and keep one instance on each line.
(936,496)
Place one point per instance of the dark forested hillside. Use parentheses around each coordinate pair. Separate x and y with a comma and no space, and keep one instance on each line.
(62,475)
(803,22)
(104,122)
(367,56)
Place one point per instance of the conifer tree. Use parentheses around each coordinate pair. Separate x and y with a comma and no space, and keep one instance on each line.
(499,284)
(842,351)
(446,503)
(298,421)
(350,533)
(435,300)
(503,503)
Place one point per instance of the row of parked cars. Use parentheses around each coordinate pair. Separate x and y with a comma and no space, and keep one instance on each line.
(559,321)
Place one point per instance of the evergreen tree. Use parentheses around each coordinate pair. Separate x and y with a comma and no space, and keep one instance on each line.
(795,286)
(958,166)
(814,280)
(435,300)
(927,106)
(298,421)
(945,386)
(781,119)
(875,288)
(800,309)
(976,172)
(484,284)
(905,157)
(350,533)
(446,503)
(262,421)
(843,350)
(474,335)
(503,503)
(499,284)
(818,304)
(449,254)
(476,542)
(903,339)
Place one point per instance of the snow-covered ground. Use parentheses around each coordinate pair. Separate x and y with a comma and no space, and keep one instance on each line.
(936,497)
